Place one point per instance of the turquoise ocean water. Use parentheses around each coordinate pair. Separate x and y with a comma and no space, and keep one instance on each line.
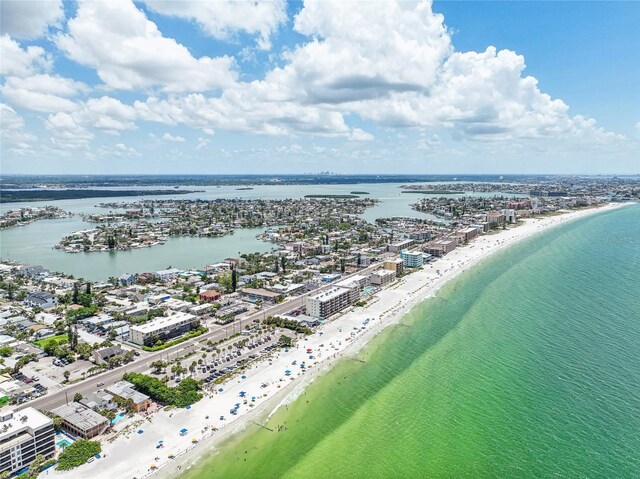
(527,366)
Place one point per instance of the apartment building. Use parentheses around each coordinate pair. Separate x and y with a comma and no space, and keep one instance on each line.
(24,435)
(354,284)
(382,277)
(412,259)
(328,302)
(395,265)
(163,328)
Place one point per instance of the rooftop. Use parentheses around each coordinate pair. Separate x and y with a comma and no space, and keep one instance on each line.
(80,416)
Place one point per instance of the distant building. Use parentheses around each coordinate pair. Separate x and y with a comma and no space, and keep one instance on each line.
(210,296)
(412,259)
(167,274)
(24,435)
(468,234)
(382,277)
(439,248)
(125,391)
(78,420)
(509,215)
(329,302)
(400,245)
(163,328)
(41,299)
(127,279)
(395,265)
(495,219)
(259,294)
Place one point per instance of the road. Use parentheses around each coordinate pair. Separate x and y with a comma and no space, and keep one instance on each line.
(142,364)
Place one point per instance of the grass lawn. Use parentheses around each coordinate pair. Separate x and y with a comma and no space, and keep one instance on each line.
(42,342)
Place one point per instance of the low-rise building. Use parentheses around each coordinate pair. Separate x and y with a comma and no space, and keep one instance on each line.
(382,277)
(412,259)
(102,356)
(125,391)
(127,279)
(259,294)
(328,302)
(24,435)
(167,274)
(163,328)
(210,296)
(440,247)
(41,299)
(81,421)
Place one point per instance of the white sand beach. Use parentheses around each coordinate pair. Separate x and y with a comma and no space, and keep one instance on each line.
(132,455)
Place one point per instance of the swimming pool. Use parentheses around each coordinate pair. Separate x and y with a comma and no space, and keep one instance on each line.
(118,418)
(62,444)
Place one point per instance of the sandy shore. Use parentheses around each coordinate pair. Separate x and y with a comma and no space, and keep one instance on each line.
(266,385)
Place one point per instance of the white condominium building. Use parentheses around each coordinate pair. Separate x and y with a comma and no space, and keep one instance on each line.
(329,302)
(163,328)
(24,435)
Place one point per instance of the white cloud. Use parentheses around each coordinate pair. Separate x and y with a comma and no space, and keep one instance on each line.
(170,137)
(22,62)
(66,132)
(29,18)
(128,51)
(223,18)
(45,93)
(12,131)
(360,135)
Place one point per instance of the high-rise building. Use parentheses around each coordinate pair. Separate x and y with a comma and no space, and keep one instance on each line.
(24,435)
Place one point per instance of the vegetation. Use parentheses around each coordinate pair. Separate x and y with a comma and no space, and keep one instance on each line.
(184,394)
(6,351)
(287,324)
(285,341)
(81,313)
(77,454)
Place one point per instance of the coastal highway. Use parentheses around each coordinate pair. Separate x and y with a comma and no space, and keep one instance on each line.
(142,364)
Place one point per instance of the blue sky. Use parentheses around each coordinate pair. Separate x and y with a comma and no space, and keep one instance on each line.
(238,87)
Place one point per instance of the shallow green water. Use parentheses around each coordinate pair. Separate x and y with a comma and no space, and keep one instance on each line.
(528,366)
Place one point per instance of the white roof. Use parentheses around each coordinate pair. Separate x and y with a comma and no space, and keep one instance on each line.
(162,322)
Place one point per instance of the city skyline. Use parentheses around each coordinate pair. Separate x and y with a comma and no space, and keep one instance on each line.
(232,88)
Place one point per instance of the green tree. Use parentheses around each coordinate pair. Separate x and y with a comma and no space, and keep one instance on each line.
(66,375)
(77,397)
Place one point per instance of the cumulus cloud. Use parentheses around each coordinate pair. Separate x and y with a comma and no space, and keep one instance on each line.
(128,51)
(29,18)
(20,62)
(170,137)
(42,92)
(222,19)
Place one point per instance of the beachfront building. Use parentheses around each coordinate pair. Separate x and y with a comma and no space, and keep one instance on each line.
(495,219)
(467,234)
(395,265)
(124,390)
(81,421)
(439,248)
(382,277)
(354,284)
(328,302)
(163,328)
(24,435)
(412,259)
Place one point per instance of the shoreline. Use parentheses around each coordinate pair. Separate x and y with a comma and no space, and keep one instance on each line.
(388,307)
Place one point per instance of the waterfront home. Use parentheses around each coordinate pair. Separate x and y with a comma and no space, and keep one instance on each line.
(127,279)
(167,275)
